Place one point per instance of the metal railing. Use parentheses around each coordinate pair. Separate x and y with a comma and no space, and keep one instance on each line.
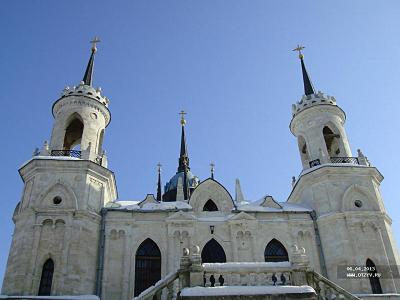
(345,160)
(70,153)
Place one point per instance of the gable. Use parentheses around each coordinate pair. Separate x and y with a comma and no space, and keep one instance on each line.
(270,202)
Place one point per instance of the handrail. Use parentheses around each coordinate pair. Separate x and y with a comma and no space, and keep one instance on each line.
(331,285)
(154,289)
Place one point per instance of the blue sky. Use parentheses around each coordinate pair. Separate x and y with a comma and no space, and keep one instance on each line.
(229,64)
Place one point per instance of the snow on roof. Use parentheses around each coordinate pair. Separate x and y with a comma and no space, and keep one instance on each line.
(134,205)
(81,297)
(254,267)
(245,290)
(289,207)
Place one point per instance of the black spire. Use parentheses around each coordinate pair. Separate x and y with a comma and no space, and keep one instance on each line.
(183,156)
(88,77)
(159,193)
(308,86)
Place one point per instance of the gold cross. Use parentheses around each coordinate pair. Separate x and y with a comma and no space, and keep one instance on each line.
(299,48)
(183,121)
(94,42)
(159,167)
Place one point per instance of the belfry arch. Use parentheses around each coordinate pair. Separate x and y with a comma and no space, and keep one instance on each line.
(73,132)
(332,141)
(305,158)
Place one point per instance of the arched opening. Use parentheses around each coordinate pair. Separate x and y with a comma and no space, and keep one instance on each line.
(213,253)
(303,150)
(275,252)
(100,145)
(147,266)
(210,206)
(331,141)
(373,278)
(46,279)
(73,133)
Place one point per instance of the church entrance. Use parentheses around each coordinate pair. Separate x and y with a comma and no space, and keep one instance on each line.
(213,253)
(147,266)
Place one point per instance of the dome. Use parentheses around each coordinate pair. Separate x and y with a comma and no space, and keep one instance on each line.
(172,184)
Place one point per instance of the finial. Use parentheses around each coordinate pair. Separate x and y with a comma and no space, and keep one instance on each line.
(299,48)
(183,121)
(159,191)
(94,42)
(212,169)
(159,165)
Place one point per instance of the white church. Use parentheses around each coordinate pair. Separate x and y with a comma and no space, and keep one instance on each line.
(331,239)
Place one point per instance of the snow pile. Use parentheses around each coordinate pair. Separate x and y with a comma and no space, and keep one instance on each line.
(254,206)
(81,297)
(239,267)
(245,290)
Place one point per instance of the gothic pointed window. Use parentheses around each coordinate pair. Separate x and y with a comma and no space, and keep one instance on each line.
(147,266)
(47,278)
(213,253)
(210,206)
(73,133)
(373,278)
(275,252)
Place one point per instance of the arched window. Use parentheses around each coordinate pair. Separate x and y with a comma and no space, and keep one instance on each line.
(213,253)
(73,133)
(373,279)
(147,266)
(47,278)
(210,206)
(100,145)
(303,150)
(331,141)
(275,251)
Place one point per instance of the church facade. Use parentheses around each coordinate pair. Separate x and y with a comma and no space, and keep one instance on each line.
(73,237)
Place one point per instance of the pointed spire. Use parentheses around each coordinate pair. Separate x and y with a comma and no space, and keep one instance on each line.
(88,77)
(183,156)
(308,86)
(159,193)
(239,198)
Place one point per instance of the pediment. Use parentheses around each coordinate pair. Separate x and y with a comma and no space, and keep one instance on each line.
(270,202)
(243,216)
(181,216)
(149,199)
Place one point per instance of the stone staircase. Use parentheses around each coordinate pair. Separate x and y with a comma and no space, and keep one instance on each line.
(260,280)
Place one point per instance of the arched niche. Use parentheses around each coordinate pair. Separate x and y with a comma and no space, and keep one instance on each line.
(73,132)
(374,281)
(210,206)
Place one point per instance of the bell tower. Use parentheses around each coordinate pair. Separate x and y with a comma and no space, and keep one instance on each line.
(55,244)
(343,191)
(318,124)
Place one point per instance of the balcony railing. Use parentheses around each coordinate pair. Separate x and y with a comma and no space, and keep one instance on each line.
(345,160)
(336,160)
(70,153)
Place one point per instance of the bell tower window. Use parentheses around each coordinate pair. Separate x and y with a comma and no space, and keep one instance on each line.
(331,141)
(73,133)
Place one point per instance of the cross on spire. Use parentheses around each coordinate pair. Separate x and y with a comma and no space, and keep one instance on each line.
(94,42)
(159,191)
(298,49)
(183,121)
(212,169)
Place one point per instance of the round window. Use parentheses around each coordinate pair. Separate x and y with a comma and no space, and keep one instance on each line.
(358,203)
(57,200)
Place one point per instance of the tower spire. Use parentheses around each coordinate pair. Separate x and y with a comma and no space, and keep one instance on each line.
(183,156)
(88,77)
(159,193)
(308,86)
